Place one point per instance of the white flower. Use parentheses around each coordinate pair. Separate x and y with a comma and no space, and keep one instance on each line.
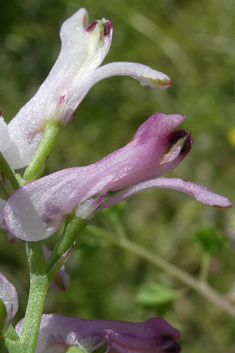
(76,70)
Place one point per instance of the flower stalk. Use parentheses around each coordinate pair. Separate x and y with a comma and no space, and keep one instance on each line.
(38,288)
(35,167)
(73,228)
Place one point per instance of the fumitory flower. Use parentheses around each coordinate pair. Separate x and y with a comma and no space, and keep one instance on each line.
(38,209)
(58,333)
(76,70)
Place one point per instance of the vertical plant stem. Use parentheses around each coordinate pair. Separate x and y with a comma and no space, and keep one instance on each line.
(35,255)
(38,288)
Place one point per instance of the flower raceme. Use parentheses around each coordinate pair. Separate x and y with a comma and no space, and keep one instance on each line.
(76,70)
(38,209)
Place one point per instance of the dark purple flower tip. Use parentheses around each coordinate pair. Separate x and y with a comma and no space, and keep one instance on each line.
(91,26)
(171,345)
(178,145)
(107,27)
(175,136)
(188,143)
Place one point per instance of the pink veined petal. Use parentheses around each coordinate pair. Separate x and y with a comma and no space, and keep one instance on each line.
(58,332)
(37,210)
(9,297)
(200,193)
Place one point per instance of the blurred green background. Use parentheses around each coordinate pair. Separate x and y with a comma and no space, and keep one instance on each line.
(193,42)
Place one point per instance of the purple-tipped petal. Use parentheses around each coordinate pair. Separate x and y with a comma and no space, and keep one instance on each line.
(9,297)
(144,157)
(200,193)
(37,210)
(58,333)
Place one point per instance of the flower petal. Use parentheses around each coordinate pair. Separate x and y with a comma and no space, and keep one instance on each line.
(9,297)
(37,210)
(58,332)
(144,74)
(83,49)
(11,238)
(200,193)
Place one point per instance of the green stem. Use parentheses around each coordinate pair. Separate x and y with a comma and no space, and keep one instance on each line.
(73,228)
(202,288)
(35,257)
(11,334)
(8,172)
(41,276)
(51,132)
(38,288)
